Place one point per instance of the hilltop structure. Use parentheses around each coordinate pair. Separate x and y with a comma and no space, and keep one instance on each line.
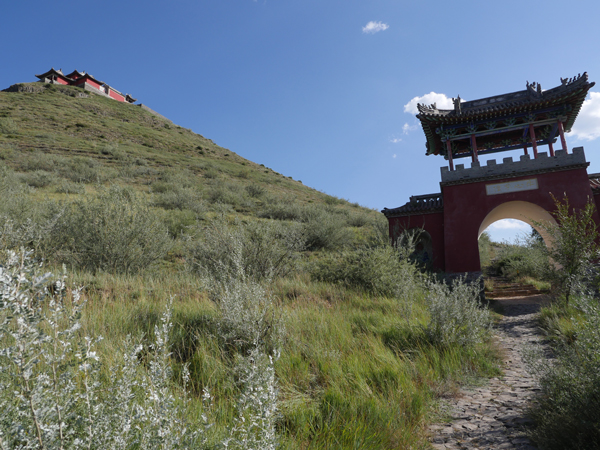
(473,198)
(85,81)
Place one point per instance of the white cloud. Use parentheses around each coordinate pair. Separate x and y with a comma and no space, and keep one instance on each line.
(587,125)
(406,128)
(440,100)
(394,155)
(509,224)
(375,27)
(395,140)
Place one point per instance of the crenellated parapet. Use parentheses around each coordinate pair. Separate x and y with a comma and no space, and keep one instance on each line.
(509,168)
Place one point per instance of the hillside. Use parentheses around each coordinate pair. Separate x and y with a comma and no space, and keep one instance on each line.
(124,144)
(296,321)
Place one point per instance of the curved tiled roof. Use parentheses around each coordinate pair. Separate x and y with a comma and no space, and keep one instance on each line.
(595,182)
(565,100)
(51,72)
(418,204)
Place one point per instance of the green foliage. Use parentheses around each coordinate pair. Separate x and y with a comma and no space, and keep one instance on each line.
(525,258)
(356,370)
(567,411)
(7,126)
(574,245)
(457,317)
(115,232)
(258,250)
(486,250)
(51,375)
(380,270)
(180,198)
(255,190)
(324,226)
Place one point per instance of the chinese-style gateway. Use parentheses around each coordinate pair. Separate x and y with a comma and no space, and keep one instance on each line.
(473,198)
(85,81)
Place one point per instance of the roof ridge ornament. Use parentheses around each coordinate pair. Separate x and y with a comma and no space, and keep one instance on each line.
(534,89)
(456,102)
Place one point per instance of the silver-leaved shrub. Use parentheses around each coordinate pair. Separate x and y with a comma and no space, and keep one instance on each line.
(52,395)
(456,315)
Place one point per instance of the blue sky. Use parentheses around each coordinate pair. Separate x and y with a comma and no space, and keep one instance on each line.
(319,90)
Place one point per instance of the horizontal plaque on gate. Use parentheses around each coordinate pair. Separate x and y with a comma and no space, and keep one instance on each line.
(512,186)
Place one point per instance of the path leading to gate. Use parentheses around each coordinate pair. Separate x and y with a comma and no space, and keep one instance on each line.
(493,416)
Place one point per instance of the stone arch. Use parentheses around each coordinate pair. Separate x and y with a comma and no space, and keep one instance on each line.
(524,211)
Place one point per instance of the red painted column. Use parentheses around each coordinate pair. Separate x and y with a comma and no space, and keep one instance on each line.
(449,148)
(474,147)
(551,148)
(563,141)
(525,149)
(533,140)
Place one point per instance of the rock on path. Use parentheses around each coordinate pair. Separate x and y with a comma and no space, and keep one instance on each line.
(492,417)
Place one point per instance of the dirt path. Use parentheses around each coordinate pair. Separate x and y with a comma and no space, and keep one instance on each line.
(492,417)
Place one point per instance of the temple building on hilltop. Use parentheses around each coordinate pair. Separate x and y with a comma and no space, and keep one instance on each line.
(85,81)
(450,222)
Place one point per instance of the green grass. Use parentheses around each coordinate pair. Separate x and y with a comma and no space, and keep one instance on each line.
(357,369)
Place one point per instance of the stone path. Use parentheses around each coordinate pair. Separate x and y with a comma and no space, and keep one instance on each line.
(492,417)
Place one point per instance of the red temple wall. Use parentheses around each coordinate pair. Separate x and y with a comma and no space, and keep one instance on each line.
(61,81)
(83,80)
(432,223)
(116,96)
(467,205)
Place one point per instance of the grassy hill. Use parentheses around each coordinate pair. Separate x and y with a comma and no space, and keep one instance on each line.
(267,276)
(124,144)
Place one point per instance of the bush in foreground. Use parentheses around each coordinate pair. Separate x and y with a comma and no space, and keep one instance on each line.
(567,413)
(52,393)
(457,317)
(114,232)
(380,270)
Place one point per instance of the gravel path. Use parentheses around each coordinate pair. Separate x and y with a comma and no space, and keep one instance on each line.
(492,417)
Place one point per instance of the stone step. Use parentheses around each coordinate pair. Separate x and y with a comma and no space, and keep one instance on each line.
(519,293)
(506,288)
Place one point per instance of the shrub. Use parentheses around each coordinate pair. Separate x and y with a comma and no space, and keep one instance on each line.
(456,316)
(485,249)
(574,247)
(567,412)
(324,227)
(114,232)
(179,222)
(8,126)
(52,393)
(380,271)
(255,190)
(227,193)
(180,198)
(39,179)
(68,187)
(257,250)
(81,170)
(23,221)
(525,258)
(284,210)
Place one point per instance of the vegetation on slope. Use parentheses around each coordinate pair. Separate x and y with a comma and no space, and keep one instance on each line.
(263,271)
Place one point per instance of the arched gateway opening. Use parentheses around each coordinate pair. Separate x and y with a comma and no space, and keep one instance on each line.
(527,212)
(473,198)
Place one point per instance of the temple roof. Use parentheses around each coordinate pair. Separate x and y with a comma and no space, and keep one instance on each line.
(424,204)
(594,181)
(502,118)
(51,72)
(75,74)
(89,76)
